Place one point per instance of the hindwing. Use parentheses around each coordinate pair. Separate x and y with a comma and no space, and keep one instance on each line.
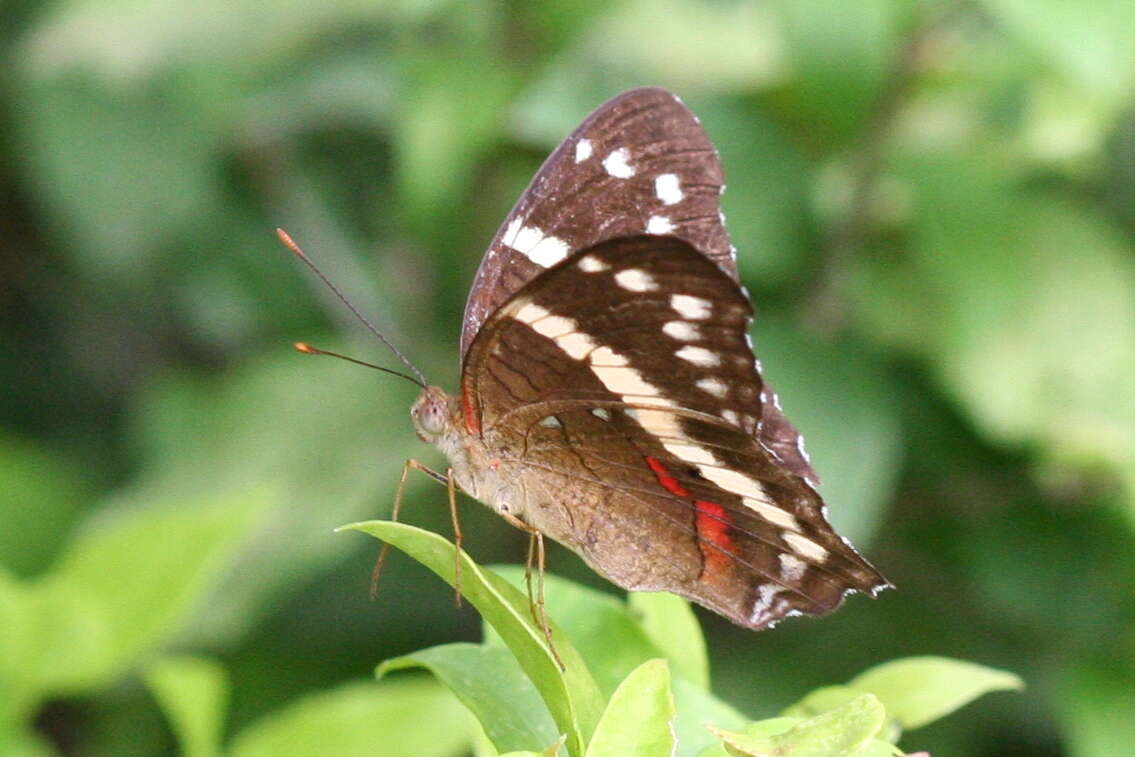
(624,372)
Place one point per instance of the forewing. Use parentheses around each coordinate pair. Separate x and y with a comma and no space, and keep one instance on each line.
(640,156)
(640,163)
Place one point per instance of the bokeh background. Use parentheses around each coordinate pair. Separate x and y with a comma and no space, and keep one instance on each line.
(934,204)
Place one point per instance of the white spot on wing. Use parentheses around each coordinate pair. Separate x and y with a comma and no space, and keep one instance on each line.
(805,547)
(582,150)
(541,249)
(714,386)
(765,595)
(690,307)
(698,356)
(592,264)
(636,280)
(617,165)
(659,225)
(667,188)
(731,416)
(691,453)
(576,344)
(551,422)
(800,448)
(681,330)
(562,330)
(601,413)
(791,567)
(605,356)
(624,380)
(772,513)
(661,423)
(734,481)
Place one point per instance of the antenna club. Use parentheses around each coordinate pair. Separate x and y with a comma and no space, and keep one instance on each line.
(290,243)
(305,348)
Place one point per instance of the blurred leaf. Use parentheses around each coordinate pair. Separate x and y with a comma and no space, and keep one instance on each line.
(442,131)
(691,44)
(82,144)
(139,39)
(1026,311)
(841,732)
(39,497)
(392,719)
(920,690)
(193,694)
(671,625)
(1097,708)
(310,427)
(637,721)
(123,587)
(1092,45)
(26,744)
(694,47)
(837,57)
(609,636)
(488,680)
(842,401)
(768,176)
(570,694)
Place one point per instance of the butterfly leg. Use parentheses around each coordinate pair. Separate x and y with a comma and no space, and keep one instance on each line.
(457,537)
(536,604)
(442,478)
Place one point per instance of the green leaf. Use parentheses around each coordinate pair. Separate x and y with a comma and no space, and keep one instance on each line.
(39,494)
(122,588)
(571,695)
(672,627)
(488,680)
(637,721)
(840,732)
(599,625)
(920,690)
(193,694)
(26,744)
(259,423)
(391,719)
(612,642)
(1097,704)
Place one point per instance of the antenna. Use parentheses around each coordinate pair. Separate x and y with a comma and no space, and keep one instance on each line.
(299,253)
(307,349)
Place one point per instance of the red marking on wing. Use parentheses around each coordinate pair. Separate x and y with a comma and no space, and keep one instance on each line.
(472,425)
(712,521)
(713,528)
(669,482)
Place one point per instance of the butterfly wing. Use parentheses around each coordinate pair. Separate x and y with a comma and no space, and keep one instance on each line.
(620,388)
(640,163)
(640,156)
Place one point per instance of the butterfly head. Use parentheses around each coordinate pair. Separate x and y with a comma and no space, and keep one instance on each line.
(432,415)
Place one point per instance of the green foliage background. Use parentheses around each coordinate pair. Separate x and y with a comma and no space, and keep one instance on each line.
(933,203)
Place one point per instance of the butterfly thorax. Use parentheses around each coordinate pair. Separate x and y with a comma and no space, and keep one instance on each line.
(477,470)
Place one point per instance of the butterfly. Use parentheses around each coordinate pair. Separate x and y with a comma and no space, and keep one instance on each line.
(609,396)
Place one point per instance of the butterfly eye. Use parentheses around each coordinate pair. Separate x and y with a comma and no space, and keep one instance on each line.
(428,414)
